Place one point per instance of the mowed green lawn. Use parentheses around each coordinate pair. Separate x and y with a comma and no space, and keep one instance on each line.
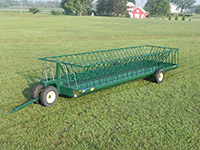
(135,115)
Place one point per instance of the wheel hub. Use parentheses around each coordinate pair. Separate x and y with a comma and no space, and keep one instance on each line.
(51,96)
(160,76)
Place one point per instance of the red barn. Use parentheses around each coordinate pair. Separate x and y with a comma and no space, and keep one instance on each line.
(138,13)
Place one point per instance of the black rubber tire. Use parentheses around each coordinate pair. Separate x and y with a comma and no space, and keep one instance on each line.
(36,91)
(159,76)
(44,96)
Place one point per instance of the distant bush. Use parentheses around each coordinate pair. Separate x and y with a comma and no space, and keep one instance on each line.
(170,17)
(190,19)
(176,18)
(183,18)
(56,13)
(127,15)
(34,10)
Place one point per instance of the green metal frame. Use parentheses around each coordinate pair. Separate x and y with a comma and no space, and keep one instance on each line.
(81,73)
(77,74)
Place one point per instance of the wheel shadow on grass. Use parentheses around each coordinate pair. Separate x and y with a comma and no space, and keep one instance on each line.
(150,79)
(31,77)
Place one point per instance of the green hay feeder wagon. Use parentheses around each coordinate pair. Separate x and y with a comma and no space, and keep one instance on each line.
(74,75)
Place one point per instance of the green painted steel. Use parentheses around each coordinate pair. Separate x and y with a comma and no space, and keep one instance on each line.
(24,105)
(77,74)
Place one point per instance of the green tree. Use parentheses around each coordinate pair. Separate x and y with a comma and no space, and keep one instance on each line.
(119,7)
(149,5)
(197,9)
(157,7)
(76,6)
(184,4)
(183,18)
(176,18)
(111,7)
(105,7)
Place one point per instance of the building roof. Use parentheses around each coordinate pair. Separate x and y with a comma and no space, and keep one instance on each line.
(140,9)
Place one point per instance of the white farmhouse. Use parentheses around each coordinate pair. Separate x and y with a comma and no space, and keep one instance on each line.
(174,8)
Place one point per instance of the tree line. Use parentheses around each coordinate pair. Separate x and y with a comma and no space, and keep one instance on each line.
(77,7)
(112,7)
(104,7)
(162,7)
(45,4)
(119,8)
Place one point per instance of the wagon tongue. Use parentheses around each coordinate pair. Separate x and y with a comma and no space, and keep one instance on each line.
(23,105)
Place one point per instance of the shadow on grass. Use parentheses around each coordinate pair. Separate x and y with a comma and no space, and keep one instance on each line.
(150,79)
(31,76)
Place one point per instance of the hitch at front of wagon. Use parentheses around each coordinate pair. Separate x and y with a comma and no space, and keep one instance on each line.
(74,75)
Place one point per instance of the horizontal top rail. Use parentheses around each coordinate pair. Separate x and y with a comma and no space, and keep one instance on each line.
(98,54)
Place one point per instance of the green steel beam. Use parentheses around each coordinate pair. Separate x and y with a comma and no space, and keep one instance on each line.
(24,105)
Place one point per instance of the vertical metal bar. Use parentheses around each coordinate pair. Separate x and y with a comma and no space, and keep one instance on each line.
(74,61)
(91,58)
(175,57)
(66,74)
(120,54)
(133,51)
(96,57)
(61,80)
(87,59)
(136,51)
(111,55)
(77,57)
(57,71)
(114,55)
(42,74)
(67,58)
(103,56)
(51,68)
(74,77)
(99,56)
(126,52)
(58,76)
(143,49)
(178,57)
(129,52)
(45,72)
(140,50)
(84,63)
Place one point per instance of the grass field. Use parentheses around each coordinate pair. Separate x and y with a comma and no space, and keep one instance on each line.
(136,115)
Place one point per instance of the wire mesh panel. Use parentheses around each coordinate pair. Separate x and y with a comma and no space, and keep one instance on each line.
(91,69)
(48,70)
